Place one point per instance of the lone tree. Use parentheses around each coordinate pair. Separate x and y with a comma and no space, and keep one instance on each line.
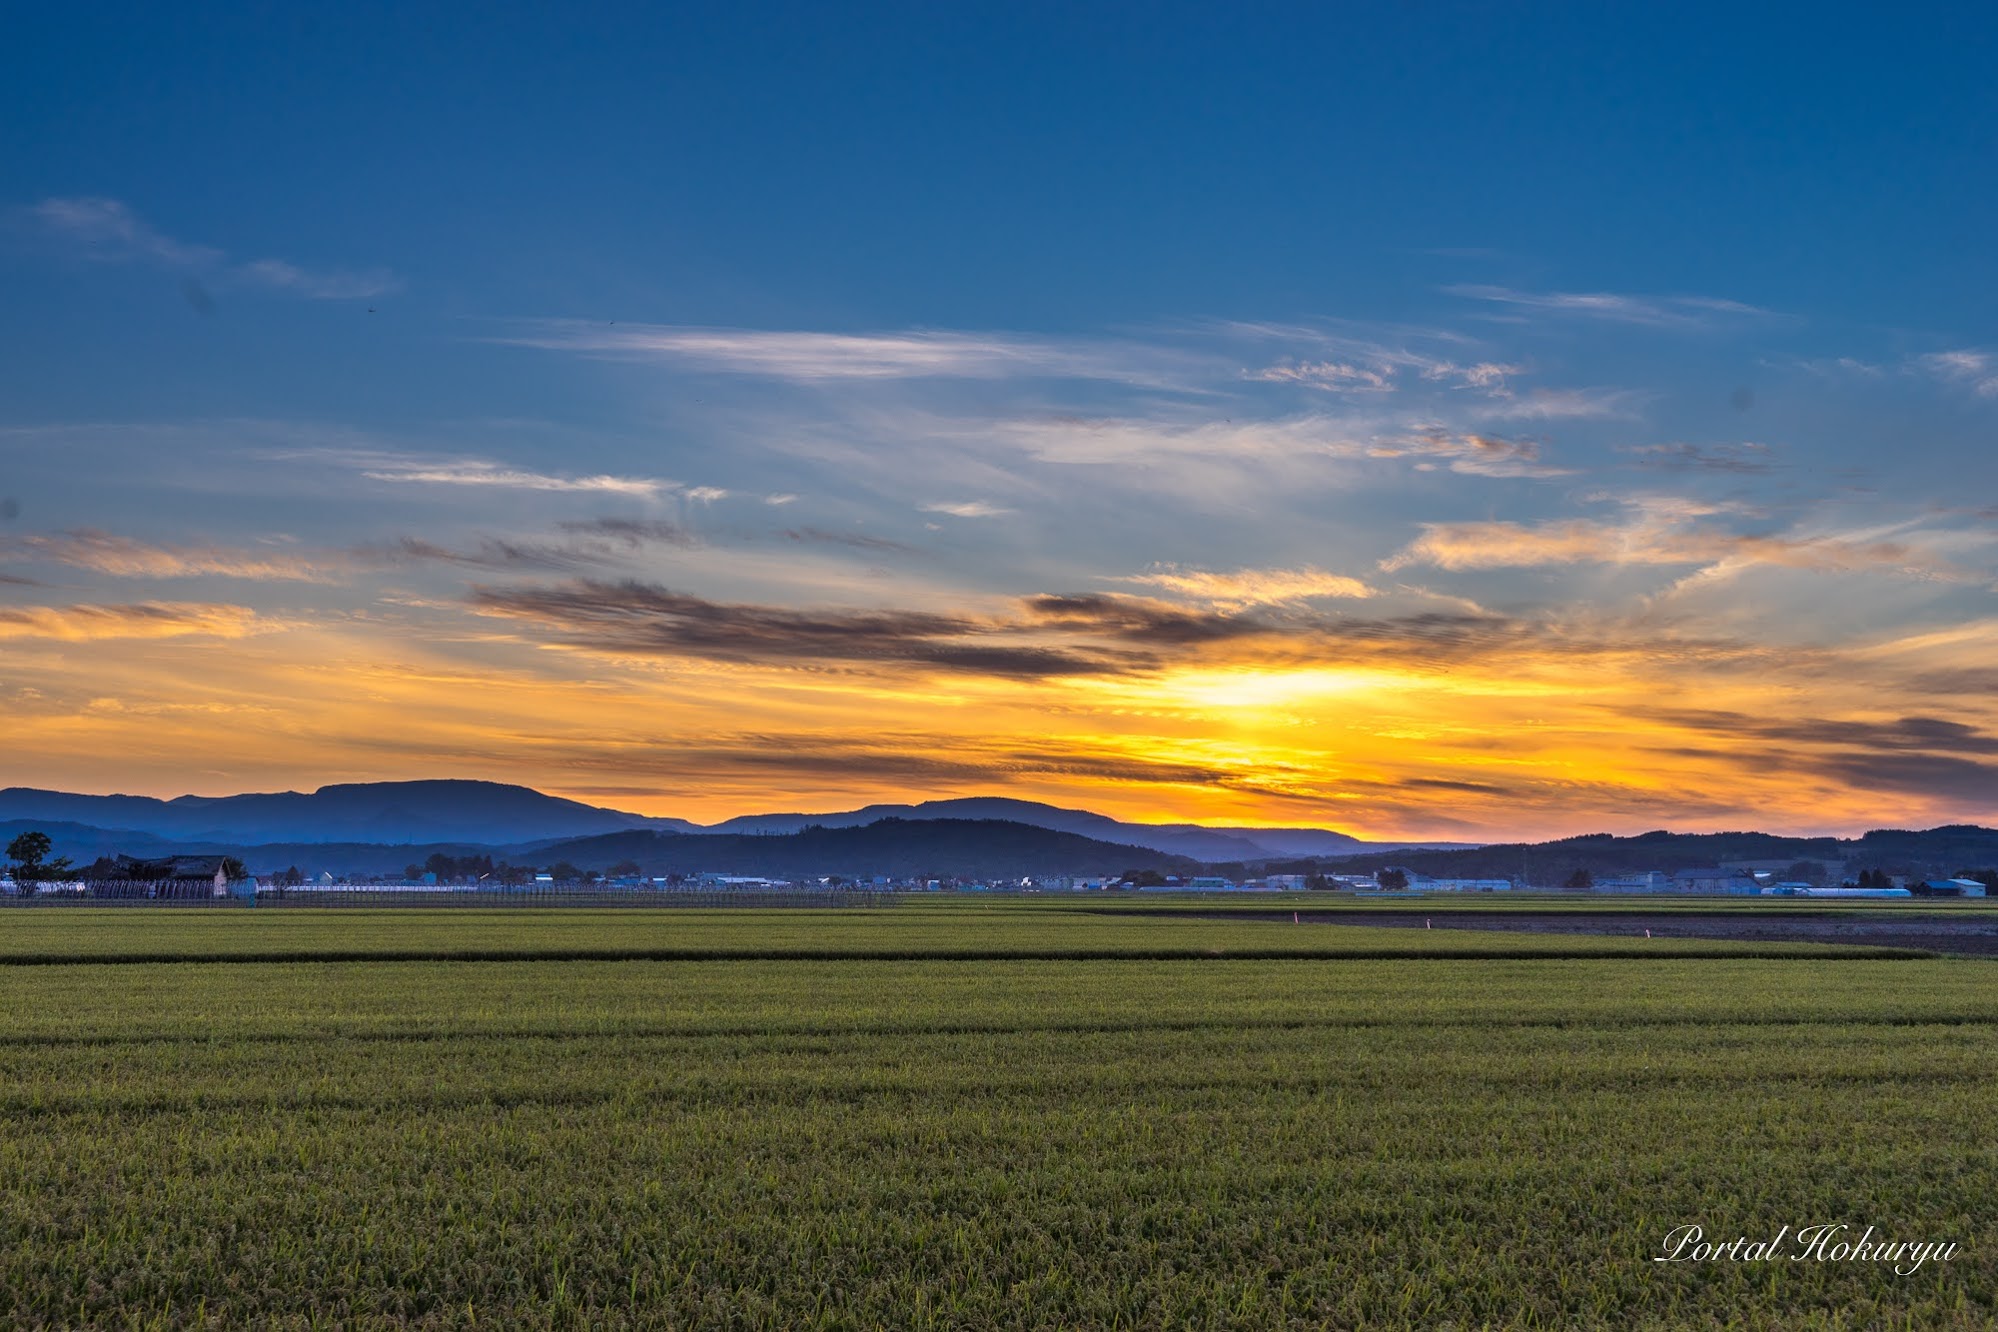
(1580,881)
(1391,880)
(29,852)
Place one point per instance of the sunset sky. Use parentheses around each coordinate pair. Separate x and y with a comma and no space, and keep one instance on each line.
(1408,419)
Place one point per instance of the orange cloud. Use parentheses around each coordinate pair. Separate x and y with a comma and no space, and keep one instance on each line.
(146,619)
(1251,587)
(125,557)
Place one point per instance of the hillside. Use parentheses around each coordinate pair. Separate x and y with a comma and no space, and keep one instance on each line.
(1199,841)
(899,848)
(1935,851)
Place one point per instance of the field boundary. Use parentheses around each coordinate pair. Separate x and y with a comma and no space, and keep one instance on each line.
(1664,951)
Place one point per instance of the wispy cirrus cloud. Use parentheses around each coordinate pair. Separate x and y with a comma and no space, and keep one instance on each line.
(1975,370)
(1615,307)
(485,473)
(146,619)
(1745,459)
(1579,404)
(806,357)
(1469,453)
(1239,588)
(492,553)
(965,508)
(109,230)
(1332,376)
(1345,358)
(635,532)
(127,557)
(479,472)
(854,540)
(1669,532)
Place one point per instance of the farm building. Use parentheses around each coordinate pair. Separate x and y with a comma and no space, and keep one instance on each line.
(1949,888)
(164,876)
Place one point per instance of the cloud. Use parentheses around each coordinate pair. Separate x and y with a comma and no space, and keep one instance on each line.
(1742,459)
(1471,454)
(857,540)
(148,619)
(1358,365)
(814,357)
(480,472)
(1138,620)
(1657,534)
(108,230)
(1250,587)
(1332,376)
(1975,370)
(126,557)
(490,553)
(634,532)
(277,275)
(642,619)
(1654,312)
(1900,734)
(1560,405)
(1933,776)
(966,509)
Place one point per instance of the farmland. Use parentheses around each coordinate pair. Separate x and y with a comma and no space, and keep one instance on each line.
(968,1115)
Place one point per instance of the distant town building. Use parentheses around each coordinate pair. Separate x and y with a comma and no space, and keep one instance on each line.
(1736,882)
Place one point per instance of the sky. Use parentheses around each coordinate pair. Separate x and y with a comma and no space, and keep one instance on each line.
(1421,420)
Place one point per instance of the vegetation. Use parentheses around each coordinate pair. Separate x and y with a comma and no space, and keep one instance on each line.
(1323,1141)
(29,853)
(999,929)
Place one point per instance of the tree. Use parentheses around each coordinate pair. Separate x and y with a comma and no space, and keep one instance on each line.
(1392,880)
(563,872)
(29,852)
(1580,881)
(625,869)
(1806,871)
(1142,878)
(291,878)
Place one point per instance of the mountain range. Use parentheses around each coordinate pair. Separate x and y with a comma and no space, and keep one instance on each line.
(499,817)
(382,827)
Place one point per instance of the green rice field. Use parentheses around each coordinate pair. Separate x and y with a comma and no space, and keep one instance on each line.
(970,1115)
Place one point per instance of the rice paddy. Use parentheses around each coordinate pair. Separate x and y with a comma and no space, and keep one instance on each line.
(969,1115)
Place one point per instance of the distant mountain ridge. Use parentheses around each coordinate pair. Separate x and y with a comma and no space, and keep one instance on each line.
(1181,839)
(1896,851)
(897,848)
(480,813)
(498,815)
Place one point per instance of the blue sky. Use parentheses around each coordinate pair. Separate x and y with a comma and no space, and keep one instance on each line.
(1416,348)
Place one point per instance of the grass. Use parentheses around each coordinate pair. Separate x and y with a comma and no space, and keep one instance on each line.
(1500,1138)
(965,930)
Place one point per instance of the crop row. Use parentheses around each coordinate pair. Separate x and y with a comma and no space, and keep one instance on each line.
(962,931)
(1013,1144)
